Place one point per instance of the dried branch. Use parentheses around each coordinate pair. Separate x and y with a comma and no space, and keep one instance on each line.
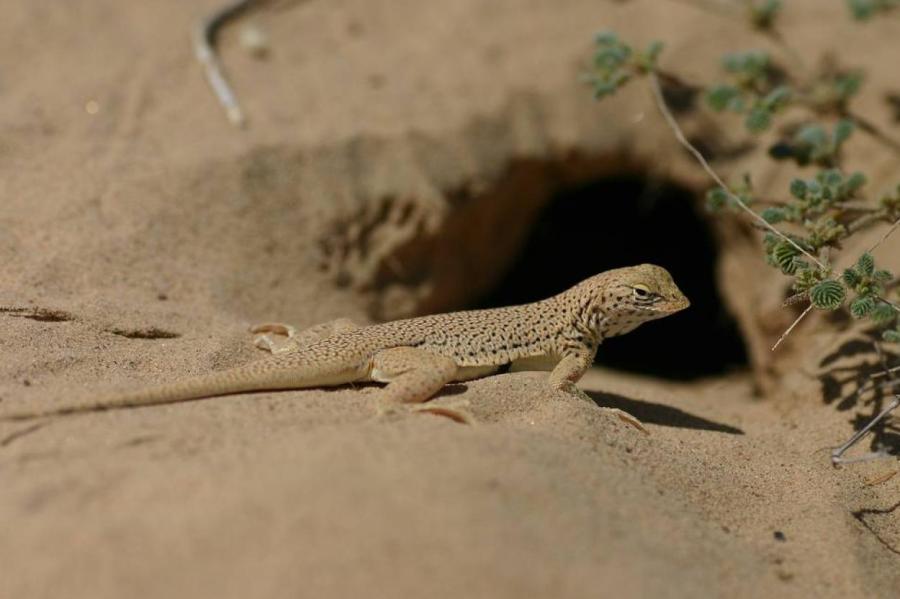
(679,135)
(204,40)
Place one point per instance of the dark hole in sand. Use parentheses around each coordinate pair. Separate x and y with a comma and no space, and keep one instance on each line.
(622,221)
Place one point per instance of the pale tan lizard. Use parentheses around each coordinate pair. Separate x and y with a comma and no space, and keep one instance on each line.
(418,356)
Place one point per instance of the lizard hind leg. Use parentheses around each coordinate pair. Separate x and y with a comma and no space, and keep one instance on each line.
(267,332)
(413,376)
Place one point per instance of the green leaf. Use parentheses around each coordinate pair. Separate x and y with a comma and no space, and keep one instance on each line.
(751,62)
(798,189)
(758,120)
(606,38)
(831,177)
(862,10)
(619,79)
(783,254)
(891,336)
(800,264)
(865,9)
(651,54)
(862,306)
(827,295)
(716,198)
(777,98)
(883,313)
(848,85)
(737,104)
(842,131)
(882,276)
(602,89)
(773,215)
(812,135)
(866,264)
(851,278)
(763,15)
(855,181)
(719,97)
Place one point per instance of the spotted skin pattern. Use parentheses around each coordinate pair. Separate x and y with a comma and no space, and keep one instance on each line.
(418,356)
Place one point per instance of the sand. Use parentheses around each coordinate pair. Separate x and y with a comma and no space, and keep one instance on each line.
(140,235)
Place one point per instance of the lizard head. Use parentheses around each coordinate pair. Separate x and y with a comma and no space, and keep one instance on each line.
(628,297)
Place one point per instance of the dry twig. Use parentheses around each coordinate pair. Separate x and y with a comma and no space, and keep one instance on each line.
(204,39)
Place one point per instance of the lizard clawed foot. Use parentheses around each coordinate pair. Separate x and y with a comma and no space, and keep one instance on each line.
(627,419)
(573,390)
(453,409)
(266,337)
(296,339)
(622,415)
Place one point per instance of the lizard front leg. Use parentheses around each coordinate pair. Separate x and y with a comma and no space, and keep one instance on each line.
(570,370)
(413,376)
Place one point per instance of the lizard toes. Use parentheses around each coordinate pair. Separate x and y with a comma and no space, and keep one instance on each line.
(627,419)
(453,409)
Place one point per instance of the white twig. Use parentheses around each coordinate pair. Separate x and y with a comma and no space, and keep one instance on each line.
(679,135)
(791,328)
(872,385)
(887,372)
(837,454)
(204,39)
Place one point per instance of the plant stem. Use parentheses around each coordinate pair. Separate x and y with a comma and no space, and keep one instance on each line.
(836,455)
(865,221)
(791,328)
(872,129)
(886,235)
(679,135)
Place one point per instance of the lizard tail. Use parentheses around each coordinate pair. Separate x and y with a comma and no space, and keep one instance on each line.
(266,375)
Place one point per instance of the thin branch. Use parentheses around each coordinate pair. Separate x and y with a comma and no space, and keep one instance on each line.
(678,81)
(871,385)
(204,39)
(679,135)
(709,6)
(889,303)
(795,299)
(791,328)
(887,372)
(885,236)
(872,129)
(836,455)
(866,220)
(779,39)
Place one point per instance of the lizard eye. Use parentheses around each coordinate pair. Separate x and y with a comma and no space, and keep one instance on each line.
(641,292)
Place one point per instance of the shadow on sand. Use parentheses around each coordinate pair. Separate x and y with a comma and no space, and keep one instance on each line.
(663,415)
(853,378)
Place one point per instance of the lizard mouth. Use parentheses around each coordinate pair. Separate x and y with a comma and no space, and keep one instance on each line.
(681,304)
(676,305)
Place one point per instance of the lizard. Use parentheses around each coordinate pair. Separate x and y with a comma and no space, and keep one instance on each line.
(416,357)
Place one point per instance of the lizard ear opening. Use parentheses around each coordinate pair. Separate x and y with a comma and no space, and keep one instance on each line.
(623,221)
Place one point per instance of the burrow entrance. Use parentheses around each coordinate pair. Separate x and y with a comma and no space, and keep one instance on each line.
(621,221)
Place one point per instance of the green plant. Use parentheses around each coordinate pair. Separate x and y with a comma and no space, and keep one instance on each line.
(863,10)
(806,230)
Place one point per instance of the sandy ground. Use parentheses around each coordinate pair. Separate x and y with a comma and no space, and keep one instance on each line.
(140,235)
